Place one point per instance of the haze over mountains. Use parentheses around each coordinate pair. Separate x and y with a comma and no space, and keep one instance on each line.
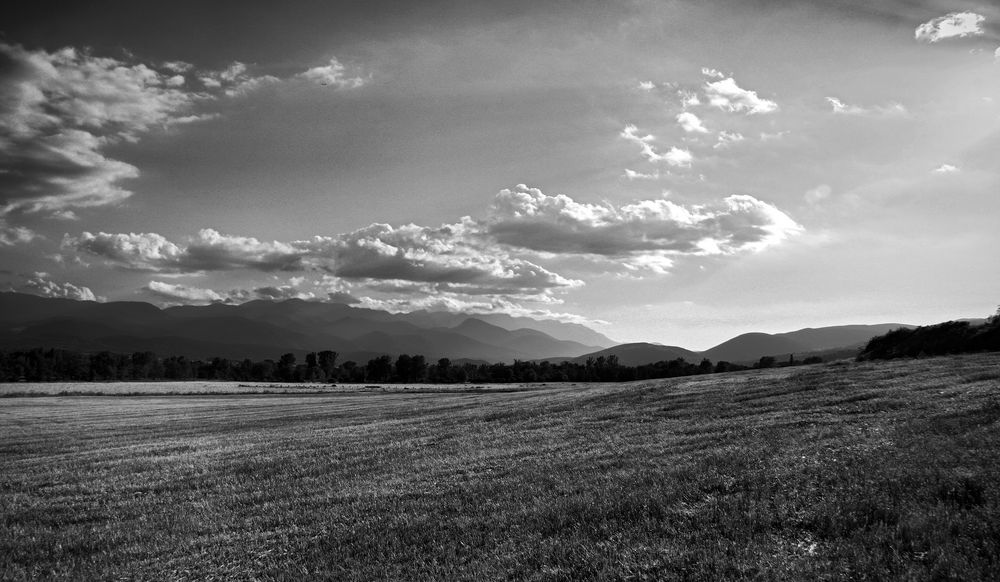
(265,329)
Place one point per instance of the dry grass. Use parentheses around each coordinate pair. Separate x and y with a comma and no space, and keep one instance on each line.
(868,471)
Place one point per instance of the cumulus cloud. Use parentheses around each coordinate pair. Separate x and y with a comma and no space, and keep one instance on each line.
(674,156)
(953,25)
(727,138)
(727,95)
(210,250)
(41,284)
(842,108)
(644,234)
(333,74)
(688,98)
(690,123)
(713,73)
(946,169)
(646,85)
(634,175)
(451,257)
(135,251)
(183,293)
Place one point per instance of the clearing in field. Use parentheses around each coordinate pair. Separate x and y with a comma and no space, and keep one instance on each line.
(869,471)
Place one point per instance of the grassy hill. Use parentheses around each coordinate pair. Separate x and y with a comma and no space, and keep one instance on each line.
(862,471)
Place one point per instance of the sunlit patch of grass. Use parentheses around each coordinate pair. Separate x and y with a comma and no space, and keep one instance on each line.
(862,471)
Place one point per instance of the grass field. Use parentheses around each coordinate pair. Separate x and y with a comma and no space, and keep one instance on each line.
(860,471)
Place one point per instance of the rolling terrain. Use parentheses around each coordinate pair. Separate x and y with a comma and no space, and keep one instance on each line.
(862,471)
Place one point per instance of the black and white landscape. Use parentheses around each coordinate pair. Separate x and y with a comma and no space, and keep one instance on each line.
(500,290)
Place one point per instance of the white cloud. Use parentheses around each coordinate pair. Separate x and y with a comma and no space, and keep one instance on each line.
(690,123)
(713,73)
(953,25)
(633,175)
(674,157)
(61,110)
(15,235)
(646,85)
(729,96)
(235,80)
(183,293)
(175,81)
(644,234)
(727,139)
(841,108)
(209,251)
(138,251)
(40,284)
(688,98)
(946,169)
(333,74)
(996,55)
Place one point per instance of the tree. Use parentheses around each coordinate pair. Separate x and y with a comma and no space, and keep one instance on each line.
(286,367)
(328,364)
(379,369)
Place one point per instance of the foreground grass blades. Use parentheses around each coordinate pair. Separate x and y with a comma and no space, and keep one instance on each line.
(863,471)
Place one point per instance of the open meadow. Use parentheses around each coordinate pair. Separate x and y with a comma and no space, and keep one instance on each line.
(861,471)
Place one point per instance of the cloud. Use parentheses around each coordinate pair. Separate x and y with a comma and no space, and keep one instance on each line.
(729,96)
(214,251)
(451,257)
(688,98)
(675,156)
(946,169)
(134,251)
(282,292)
(633,175)
(996,55)
(183,293)
(642,234)
(40,284)
(646,85)
(333,74)
(455,304)
(727,139)
(235,80)
(841,108)
(15,235)
(690,123)
(713,73)
(209,251)
(953,25)
(59,110)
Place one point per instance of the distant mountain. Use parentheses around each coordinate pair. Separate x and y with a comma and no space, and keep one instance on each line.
(265,329)
(637,354)
(827,342)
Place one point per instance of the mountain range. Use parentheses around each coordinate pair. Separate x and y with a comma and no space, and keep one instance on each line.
(266,329)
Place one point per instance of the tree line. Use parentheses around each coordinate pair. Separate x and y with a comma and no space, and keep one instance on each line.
(950,337)
(52,365)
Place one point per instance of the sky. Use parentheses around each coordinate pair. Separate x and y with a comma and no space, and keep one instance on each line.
(676,172)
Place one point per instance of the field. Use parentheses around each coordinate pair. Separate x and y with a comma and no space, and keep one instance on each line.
(861,471)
